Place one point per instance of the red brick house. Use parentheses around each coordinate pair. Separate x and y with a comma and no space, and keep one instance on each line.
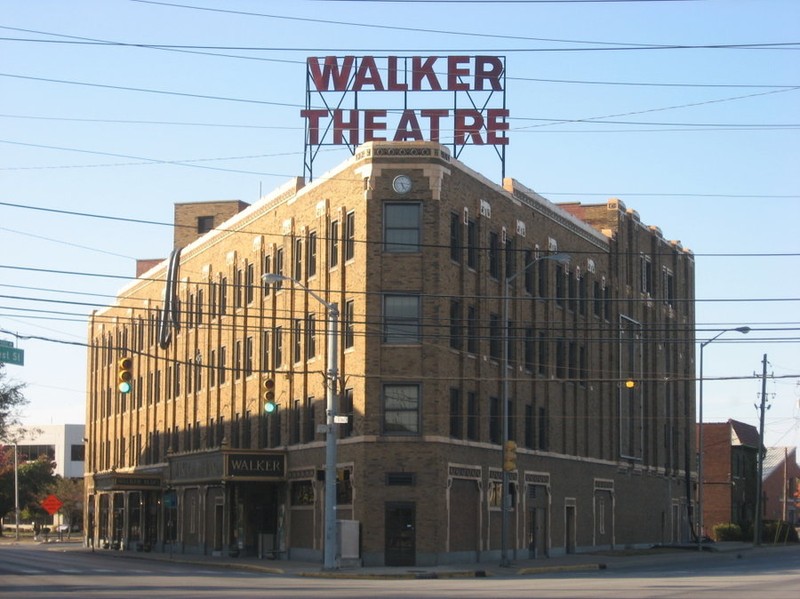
(730,474)
(781,485)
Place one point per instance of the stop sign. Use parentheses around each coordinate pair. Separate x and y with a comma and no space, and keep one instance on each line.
(52,504)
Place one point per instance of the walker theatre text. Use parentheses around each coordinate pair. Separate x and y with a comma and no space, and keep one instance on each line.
(472,80)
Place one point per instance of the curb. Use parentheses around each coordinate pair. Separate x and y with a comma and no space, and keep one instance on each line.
(397,576)
(551,569)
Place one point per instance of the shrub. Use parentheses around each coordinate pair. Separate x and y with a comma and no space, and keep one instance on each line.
(727,532)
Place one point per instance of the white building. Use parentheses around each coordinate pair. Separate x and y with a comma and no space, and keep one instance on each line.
(63,443)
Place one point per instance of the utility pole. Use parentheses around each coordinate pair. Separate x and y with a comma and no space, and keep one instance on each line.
(757,527)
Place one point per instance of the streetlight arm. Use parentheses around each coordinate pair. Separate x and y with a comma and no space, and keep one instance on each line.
(268,278)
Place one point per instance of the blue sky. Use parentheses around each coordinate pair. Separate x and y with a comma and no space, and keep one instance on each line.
(700,138)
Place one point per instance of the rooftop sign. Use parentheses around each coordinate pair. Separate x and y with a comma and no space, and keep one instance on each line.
(453,100)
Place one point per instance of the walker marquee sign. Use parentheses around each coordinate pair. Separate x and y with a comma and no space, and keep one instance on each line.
(453,100)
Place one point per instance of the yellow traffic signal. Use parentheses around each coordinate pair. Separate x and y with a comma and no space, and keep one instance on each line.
(630,384)
(510,456)
(125,374)
(269,396)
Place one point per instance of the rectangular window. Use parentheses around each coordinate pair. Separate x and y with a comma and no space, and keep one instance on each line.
(472,245)
(311,336)
(401,409)
(311,254)
(265,351)
(511,336)
(456,334)
(347,325)
(298,260)
(205,224)
(212,369)
(529,423)
(237,360)
(511,258)
(543,424)
(278,347)
(298,339)
(494,420)
(529,349)
(472,330)
(200,307)
(647,275)
(333,244)
(223,295)
(495,343)
(401,319)
(238,283)
(543,282)
(597,299)
(572,295)
(401,227)
(308,429)
(266,270)
(528,266)
(248,356)
(455,413)
(561,274)
(455,237)
(249,282)
(350,236)
(542,355)
(669,288)
(494,255)
(473,417)
(561,359)
(279,267)
(223,359)
(582,295)
(346,409)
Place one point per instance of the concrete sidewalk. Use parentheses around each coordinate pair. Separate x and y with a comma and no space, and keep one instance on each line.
(579,562)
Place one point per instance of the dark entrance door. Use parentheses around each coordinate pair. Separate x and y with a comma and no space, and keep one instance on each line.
(400,534)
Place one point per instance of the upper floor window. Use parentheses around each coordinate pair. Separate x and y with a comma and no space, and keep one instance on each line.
(472,244)
(348,322)
(401,319)
(333,244)
(298,260)
(401,227)
(311,254)
(401,409)
(350,236)
(205,224)
(494,255)
(455,237)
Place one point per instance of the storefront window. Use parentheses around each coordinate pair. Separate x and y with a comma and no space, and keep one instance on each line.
(302,493)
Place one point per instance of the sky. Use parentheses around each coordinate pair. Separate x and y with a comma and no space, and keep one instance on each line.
(687,111)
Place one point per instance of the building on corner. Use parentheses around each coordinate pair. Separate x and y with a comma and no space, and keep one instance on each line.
(415,249)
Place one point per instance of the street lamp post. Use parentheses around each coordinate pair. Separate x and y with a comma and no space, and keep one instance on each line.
(743,330)
(330,543)
(505,496)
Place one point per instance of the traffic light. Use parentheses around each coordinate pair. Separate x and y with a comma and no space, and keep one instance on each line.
(510,456)
(125,374)
(630,384)
(269,396)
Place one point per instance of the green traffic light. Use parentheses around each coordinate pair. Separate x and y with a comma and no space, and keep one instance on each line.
(125,387)
(269,407)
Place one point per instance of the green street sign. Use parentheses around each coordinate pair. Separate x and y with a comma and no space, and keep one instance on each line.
(12,355)
(4,343)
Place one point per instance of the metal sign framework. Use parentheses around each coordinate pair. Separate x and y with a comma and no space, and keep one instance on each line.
(346,117)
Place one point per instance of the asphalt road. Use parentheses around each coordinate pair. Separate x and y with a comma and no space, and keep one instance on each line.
(47,571)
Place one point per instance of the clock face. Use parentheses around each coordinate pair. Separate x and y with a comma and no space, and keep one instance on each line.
(402,184)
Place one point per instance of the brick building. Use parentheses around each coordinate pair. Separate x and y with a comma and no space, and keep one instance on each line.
(730,474)
(414,248)
(781,485)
